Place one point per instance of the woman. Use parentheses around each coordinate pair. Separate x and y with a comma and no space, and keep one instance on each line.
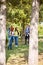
(16,36)
(11,33)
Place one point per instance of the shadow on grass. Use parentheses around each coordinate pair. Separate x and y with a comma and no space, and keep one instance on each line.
(21,49)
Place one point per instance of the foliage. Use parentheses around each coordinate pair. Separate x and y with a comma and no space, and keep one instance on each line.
(41,13)
(40,30)
(18,12)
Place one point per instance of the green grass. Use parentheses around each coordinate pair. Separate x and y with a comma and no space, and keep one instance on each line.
(22,49)
(40,47)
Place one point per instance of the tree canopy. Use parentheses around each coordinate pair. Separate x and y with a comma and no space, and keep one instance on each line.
(19,12)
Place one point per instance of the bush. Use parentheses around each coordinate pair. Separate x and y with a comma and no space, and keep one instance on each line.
(40,30)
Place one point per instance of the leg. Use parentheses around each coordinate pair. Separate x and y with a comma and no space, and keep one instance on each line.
(10,43)
(25,39)
(16,40)
(28,39)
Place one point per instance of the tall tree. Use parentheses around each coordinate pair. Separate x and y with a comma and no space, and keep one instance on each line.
(33,42)
(2,31)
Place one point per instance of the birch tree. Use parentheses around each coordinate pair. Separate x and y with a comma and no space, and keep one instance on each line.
(2,31)
(33,42)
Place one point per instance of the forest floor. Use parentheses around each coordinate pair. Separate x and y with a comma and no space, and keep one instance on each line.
(19,55)
(40,59)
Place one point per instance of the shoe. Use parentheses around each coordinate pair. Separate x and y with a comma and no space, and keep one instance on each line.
(16,45)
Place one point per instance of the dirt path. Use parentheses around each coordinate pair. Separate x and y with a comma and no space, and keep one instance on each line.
(20,60)
(40,59)
(17,60)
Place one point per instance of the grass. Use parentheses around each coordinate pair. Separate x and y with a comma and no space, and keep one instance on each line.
(40,47)
(21,49)
(20,52)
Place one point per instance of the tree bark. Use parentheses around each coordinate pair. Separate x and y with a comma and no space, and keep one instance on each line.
(33,42)
(2,32)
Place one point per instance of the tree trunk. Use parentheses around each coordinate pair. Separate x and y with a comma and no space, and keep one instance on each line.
(33,42)
(2,32)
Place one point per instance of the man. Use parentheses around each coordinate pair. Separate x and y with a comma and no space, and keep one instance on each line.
(27,32)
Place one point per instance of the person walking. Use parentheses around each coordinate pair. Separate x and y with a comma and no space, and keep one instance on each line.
(11,37)
(16,36)
(27,32)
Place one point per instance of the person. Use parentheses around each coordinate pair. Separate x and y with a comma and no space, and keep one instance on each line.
(8,32)
(16,36)
(7,35)
(11,33)
(27,31)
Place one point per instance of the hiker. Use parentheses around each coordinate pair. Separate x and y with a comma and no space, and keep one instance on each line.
(7,35)
(11,37)
(27,31)
(16,36)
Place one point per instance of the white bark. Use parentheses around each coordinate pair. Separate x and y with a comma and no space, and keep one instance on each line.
(2,32)
(33,42)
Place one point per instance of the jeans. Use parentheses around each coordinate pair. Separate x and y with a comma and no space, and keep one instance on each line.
(16,40)
(11,38)
(10,42)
